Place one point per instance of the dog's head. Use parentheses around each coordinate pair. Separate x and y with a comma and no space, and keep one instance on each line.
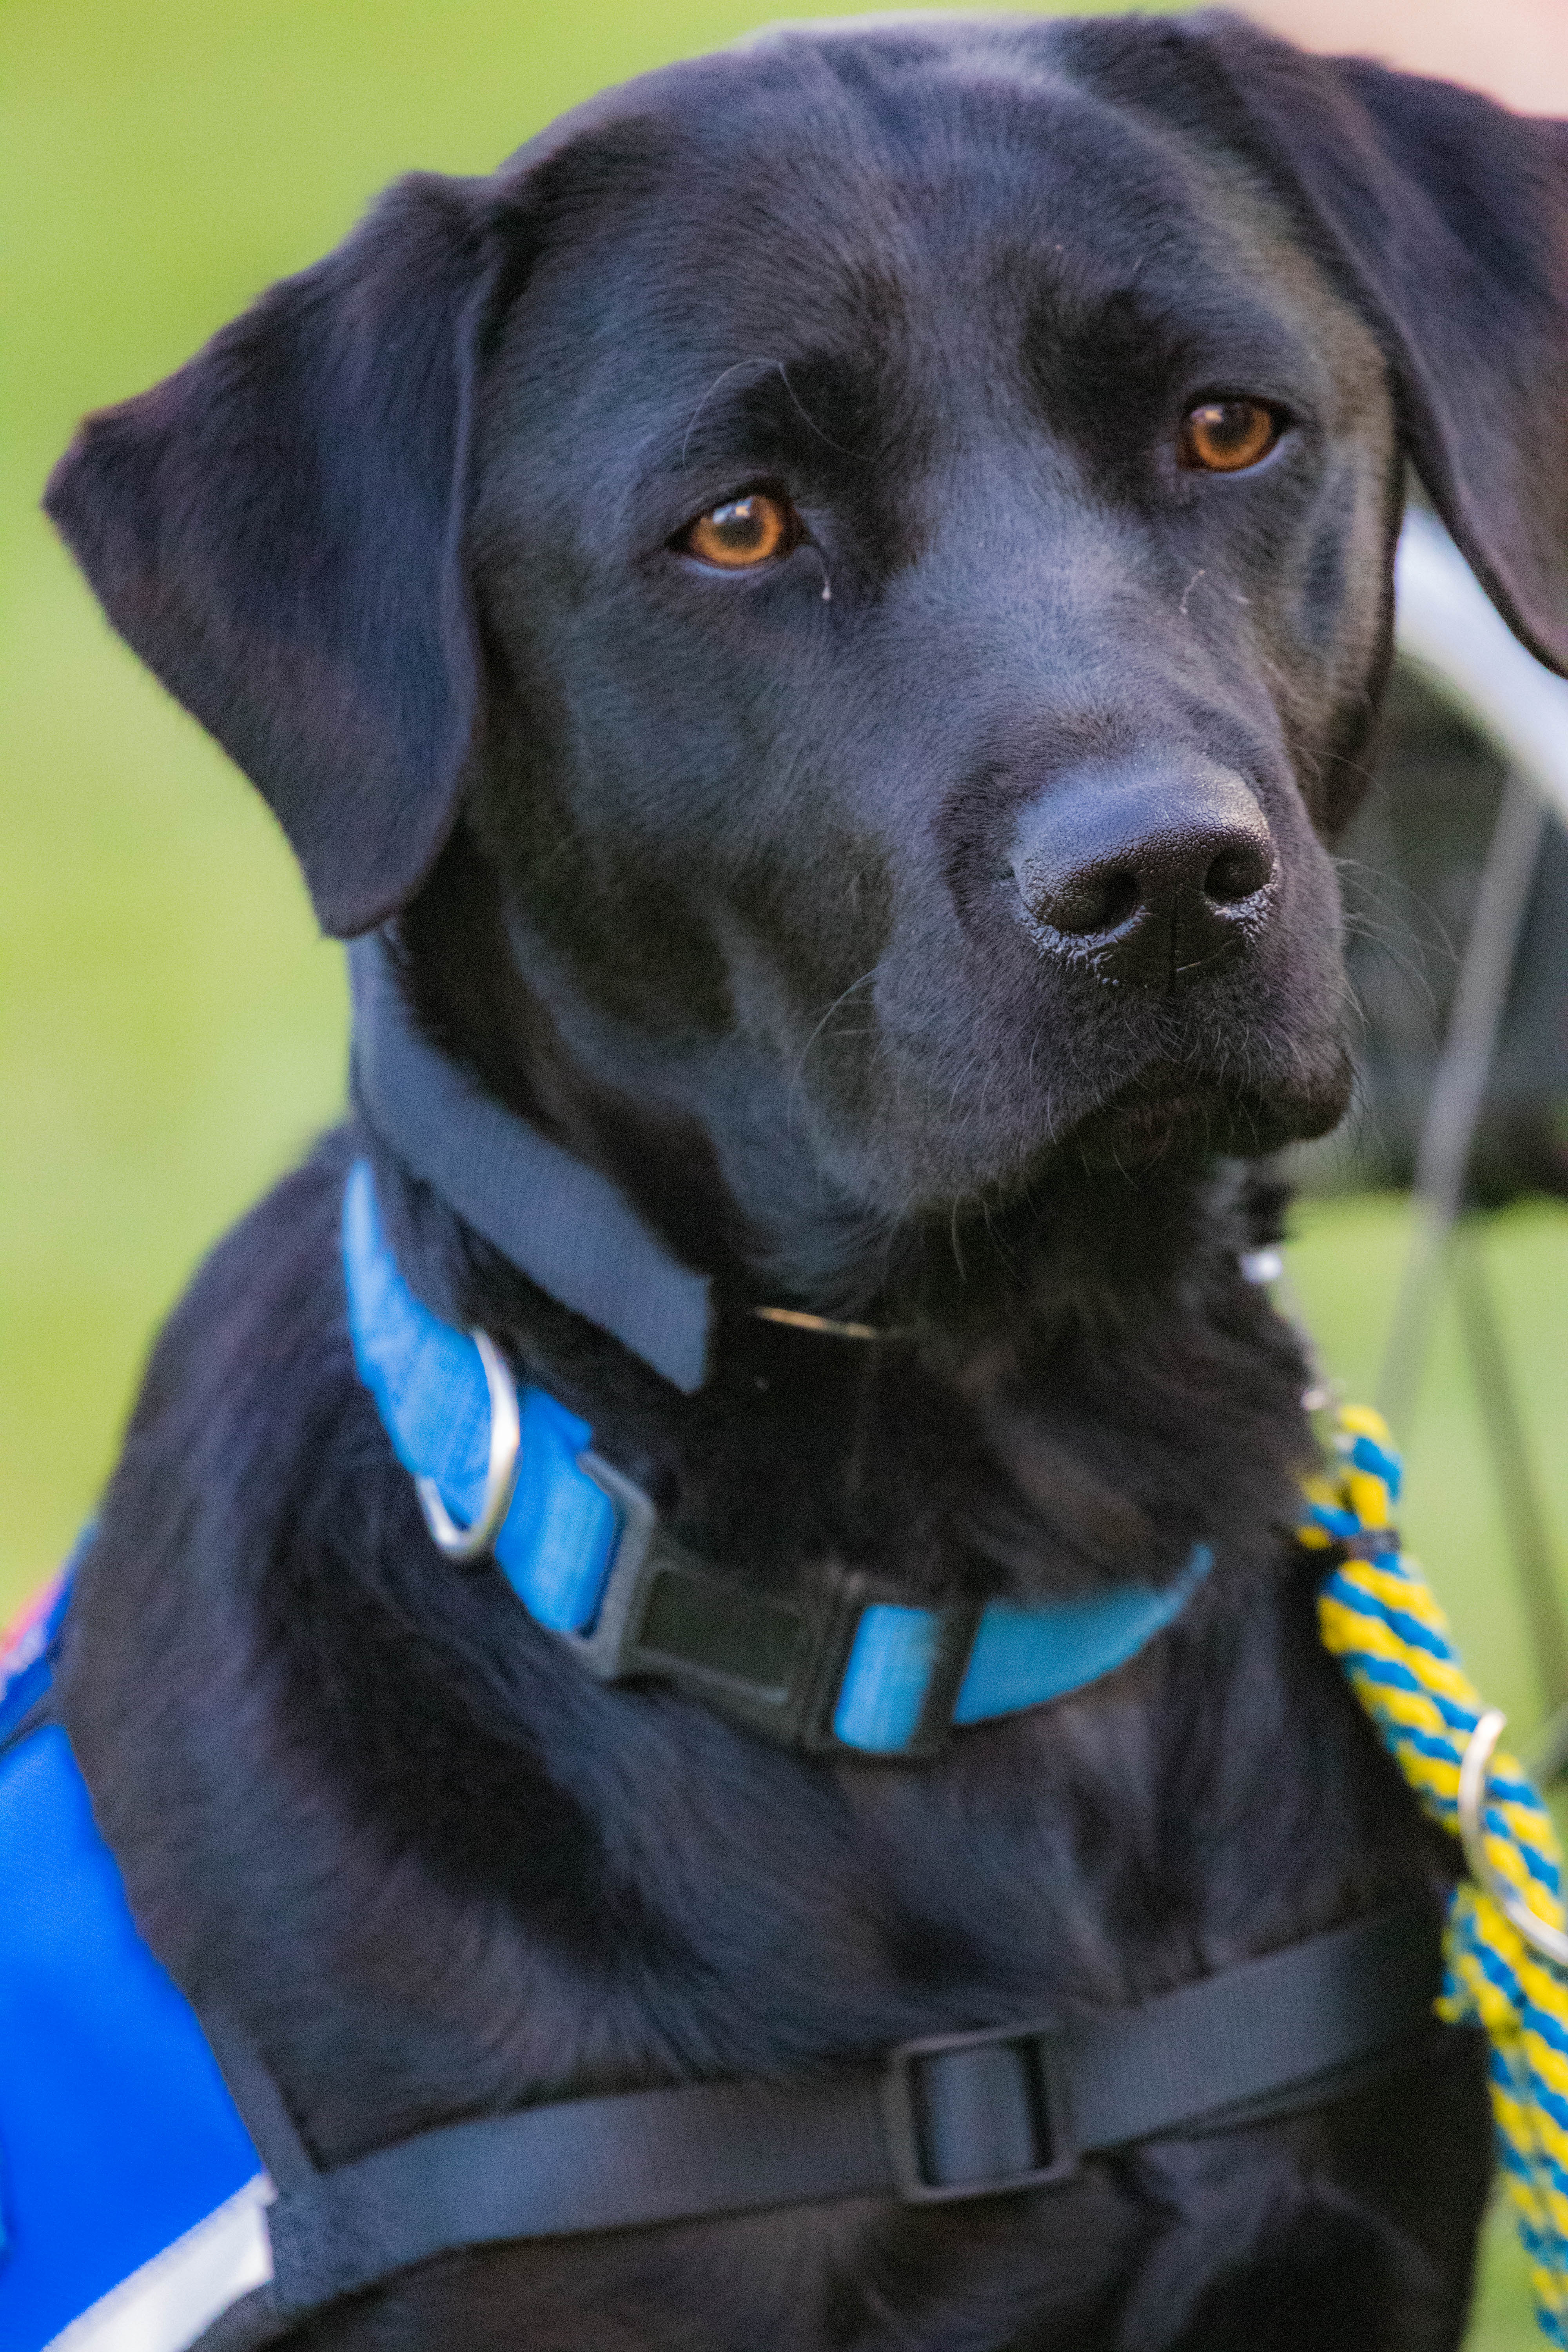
(850,582)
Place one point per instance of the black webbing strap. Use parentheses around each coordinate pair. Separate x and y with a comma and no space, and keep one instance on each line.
(956,2116)
(567,1227)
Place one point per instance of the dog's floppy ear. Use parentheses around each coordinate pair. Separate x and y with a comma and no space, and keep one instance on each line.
(1445,218)
(278,530)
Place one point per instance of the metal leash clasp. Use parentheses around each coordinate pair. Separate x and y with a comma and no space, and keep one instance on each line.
(1475,1772)
(500,1478)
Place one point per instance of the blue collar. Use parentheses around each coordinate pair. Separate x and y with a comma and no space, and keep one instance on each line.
(848,1666)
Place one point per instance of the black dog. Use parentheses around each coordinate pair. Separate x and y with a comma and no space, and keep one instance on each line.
(831,609)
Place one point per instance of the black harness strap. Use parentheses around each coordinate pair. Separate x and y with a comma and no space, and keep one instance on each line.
(959,2115)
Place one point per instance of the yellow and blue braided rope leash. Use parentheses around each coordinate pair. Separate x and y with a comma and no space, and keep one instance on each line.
(1505,1945)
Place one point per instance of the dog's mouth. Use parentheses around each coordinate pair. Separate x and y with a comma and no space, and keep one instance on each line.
(1170,1114)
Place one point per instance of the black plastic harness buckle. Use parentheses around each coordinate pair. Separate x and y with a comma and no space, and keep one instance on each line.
(975,2114)
(772,1662)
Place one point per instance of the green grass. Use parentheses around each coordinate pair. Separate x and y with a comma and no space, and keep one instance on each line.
(171,1031)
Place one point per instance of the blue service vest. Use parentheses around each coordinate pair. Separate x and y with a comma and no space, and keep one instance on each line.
(120,2145)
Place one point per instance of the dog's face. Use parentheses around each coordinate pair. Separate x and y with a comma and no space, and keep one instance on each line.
(932,730)
(886,536)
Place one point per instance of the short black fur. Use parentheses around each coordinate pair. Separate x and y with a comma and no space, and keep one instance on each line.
(718,879)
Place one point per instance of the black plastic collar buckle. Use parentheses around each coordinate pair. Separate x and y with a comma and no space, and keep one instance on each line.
(977,2114)
(772,1663)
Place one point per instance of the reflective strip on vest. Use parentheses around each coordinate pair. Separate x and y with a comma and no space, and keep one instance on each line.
(170,2302)
(131,2193)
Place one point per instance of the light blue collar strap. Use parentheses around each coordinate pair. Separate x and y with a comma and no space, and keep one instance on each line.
(841,1667)
(558,1535)
(1018,1657)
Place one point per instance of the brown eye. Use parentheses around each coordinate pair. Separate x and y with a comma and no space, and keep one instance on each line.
(1226,437)
(743,532)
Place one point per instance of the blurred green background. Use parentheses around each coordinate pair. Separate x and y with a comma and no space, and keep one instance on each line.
(171,1031)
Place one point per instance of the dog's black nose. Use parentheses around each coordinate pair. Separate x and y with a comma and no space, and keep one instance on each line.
(1151,874)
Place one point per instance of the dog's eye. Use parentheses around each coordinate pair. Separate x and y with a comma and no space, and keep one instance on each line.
(1226,437)
(743,532)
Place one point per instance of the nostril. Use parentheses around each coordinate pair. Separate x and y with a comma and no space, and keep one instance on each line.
(1121,895)
(1096,900)
(1239,871)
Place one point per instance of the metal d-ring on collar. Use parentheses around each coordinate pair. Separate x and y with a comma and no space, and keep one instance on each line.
(500,1478)
(1475,1772)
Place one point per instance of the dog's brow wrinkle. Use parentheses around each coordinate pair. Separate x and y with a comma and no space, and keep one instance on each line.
(811,421)
(759,360)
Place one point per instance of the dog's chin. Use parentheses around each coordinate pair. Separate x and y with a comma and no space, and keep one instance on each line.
(1166,1117)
